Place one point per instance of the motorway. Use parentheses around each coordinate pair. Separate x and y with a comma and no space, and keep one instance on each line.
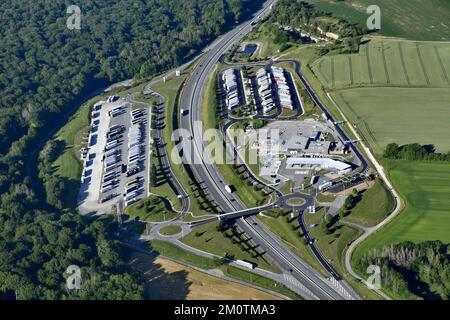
(211,179)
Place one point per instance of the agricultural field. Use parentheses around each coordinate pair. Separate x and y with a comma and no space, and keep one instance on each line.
(167,249)
(387,63)
(401,115)
(408,19)
(424,187)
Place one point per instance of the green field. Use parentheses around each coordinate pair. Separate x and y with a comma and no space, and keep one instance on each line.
(373,205)
(74,136)
(401,115)
(169,250)
(170,230)
(151,209)
(409,19)
(425,188)
(387,63)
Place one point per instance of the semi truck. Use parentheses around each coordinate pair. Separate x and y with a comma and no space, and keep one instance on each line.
(246,264)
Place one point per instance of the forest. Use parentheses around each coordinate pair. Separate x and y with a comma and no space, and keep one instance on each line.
(306,18)
(412,271)
(44,68)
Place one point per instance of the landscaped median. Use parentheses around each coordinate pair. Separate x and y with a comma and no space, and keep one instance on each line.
(151,209)
(332,239)
(170,230)
(171,90)
(288,230)
(225,240)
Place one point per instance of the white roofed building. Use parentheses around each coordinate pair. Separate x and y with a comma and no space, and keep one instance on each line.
(342,168)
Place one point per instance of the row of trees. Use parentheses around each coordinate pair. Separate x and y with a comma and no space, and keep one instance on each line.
(414,151)
(412,270)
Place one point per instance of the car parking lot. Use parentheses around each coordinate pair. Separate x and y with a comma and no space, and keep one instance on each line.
(116,167)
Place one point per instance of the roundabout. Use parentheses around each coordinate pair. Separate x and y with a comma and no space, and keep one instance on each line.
(295,202)
(169,230)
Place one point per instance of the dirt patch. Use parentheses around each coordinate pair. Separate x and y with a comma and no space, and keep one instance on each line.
(167,280)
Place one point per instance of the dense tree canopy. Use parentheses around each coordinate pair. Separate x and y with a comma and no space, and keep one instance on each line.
(45,67)
(36,247)
(414,151)
(303,16)
(412,270)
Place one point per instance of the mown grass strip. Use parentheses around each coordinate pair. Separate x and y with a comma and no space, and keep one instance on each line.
(402,59)
(444,72)
(386,71)
(422,65)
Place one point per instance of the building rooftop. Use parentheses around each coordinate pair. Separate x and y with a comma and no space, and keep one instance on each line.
(323,162)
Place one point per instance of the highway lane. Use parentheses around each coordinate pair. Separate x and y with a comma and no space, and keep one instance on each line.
(192,96)
(211,179)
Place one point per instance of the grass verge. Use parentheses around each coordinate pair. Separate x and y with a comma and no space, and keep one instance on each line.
(170,230)
(373,205)
(171,251)
(151,209)
(333,247)
(229,242)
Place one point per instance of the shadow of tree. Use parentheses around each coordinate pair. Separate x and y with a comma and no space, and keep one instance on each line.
(8,295)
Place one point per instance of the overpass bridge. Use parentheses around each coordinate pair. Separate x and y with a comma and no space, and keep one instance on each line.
(233,215)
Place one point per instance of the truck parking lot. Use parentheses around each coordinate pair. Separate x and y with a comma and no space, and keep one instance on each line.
(116,168)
